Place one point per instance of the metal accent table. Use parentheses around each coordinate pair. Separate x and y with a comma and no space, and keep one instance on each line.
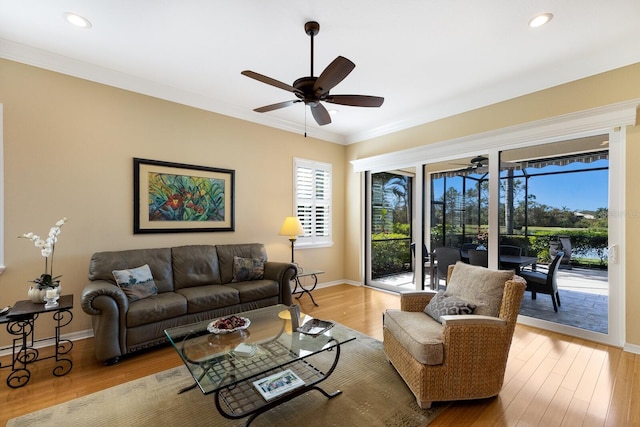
(217,367)
(306,273)
(20,322)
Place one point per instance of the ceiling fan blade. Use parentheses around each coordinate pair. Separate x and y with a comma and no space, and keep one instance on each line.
(276,106)
(355,100)
(269,81)
(333,74)
(320,114)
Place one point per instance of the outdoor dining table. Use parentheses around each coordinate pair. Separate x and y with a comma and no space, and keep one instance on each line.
(516,262)
(508,262)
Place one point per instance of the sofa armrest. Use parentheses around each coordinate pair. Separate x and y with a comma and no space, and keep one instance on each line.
(108,305)
(102,287)
(415,300)
(283,273)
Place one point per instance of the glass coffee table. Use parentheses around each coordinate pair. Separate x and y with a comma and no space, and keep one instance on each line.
(254,369)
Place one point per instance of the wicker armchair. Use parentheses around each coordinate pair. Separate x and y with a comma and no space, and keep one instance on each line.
(464,357)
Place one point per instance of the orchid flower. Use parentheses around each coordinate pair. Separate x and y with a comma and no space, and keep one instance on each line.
(47,248)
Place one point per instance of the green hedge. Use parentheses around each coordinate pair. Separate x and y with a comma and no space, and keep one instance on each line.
(391,254)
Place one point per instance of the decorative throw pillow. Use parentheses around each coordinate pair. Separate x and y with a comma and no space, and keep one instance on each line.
(442,304)
(482,286)
(137,283)
(245,269)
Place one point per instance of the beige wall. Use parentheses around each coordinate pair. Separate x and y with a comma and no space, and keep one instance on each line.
(69,144)
(68,150)
(608,88)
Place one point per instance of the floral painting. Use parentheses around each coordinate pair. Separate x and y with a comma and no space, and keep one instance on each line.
(185,198)
(171,197)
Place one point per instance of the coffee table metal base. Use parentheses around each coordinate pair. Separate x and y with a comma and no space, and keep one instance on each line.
(243,400)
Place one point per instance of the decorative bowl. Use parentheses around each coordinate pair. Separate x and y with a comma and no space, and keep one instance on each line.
(228,324)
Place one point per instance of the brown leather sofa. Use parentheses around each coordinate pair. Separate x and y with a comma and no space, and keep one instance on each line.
(194,283)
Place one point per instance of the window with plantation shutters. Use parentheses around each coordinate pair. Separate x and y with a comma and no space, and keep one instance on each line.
(312,186)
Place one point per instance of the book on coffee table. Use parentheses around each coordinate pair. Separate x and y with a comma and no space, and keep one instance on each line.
(278,384)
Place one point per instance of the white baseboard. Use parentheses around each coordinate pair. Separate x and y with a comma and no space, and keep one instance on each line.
(48,342)
(632,348)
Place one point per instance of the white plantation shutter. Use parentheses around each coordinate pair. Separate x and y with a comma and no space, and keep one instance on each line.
(313,201)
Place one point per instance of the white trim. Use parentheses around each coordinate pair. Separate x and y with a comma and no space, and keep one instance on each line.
(574,125)
(567,330)
(616,234)
(48,342)
(631,348)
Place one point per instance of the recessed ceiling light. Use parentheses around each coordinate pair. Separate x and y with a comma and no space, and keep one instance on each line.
(540,20)
(77,20)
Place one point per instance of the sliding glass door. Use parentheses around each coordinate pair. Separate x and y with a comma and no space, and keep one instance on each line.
(389,218)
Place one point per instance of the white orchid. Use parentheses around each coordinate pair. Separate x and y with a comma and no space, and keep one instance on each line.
(47,248)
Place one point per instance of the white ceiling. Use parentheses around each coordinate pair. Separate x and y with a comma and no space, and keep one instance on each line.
(428,58)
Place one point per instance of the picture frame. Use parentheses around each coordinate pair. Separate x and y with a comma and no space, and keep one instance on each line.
(180,198)
(278,384)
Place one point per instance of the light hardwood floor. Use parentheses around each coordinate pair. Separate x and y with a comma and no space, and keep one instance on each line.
(551,379)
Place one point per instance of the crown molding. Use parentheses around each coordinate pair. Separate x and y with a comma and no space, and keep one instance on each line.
(86,71)
(572,125)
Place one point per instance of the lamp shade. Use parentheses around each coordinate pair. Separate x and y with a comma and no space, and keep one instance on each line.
(291,227)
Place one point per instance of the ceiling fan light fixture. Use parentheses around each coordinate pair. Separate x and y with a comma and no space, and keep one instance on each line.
(540,20)
(77,20)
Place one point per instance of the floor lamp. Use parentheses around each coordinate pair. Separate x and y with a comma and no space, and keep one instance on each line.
(291,227)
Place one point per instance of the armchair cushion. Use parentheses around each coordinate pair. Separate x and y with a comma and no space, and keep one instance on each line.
(479,285)
(419,334)
(443,304)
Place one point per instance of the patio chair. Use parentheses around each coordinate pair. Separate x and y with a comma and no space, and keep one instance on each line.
(464,251)
(444,257)
(510,250)
(465,356)
(538,282)
(479,257)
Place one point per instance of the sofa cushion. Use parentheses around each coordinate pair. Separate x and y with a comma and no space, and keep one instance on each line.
(418,333)
(245,269)
(442,304)
(156,308)
(479,285)
(256,289)
(227,252)
(203,298)
(159,260)
(195,265)
(136,283)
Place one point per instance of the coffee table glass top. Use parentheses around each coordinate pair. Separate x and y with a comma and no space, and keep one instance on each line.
(219,360)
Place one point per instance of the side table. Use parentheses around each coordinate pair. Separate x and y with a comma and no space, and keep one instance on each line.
(20,322)
(306,273)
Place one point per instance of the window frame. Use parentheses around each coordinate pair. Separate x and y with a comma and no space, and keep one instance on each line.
(313,202)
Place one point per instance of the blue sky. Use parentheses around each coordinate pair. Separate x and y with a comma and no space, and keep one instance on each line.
(576,191)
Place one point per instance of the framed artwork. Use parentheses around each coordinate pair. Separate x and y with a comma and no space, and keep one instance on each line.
(177,198)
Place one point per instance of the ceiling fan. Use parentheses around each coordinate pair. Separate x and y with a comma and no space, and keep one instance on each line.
(480,165)
(477,164)
(311,90)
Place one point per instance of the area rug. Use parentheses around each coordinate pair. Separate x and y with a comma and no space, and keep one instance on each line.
(373,395)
